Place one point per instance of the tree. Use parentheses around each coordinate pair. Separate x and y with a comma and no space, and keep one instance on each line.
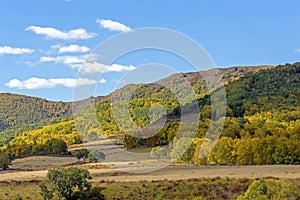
(70,183)
(245,152)
(4,160)
(82,154)
(263,150)
(95,156)
(183,150)
(56,146)
(271,189)
(159,152)
(200,155)
(286,152)
(223,152)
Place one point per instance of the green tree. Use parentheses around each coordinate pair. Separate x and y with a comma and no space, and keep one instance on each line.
(96,156)
(70,183)
(159,152)
(82,154)
(223,152)
(271,189)
(183,149)
(45,192)
(286,152)
(4,160)
(56,146)
(264,150)
(245,151)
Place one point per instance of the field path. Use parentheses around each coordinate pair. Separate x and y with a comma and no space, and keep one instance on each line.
(175,172)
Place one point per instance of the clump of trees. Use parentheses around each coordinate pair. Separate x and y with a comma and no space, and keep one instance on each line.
(92,156)
(51,139)
(271,189)
(70,184)
(251,151)
(50,147)
(159,152)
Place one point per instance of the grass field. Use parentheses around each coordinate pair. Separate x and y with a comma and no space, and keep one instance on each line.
(172,182)
(42,162)
(183,189)
(214,188)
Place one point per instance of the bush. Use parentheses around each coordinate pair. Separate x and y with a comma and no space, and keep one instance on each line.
(96,156)
(4,161)
(159,152)
(81,154)
(70,183)
(271,189)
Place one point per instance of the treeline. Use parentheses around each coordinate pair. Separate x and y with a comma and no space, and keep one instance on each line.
(51,139)
(52,146)
(285,123)
(252,151)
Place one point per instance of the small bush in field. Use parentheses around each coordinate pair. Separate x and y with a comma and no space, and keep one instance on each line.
(271,189)
(70,183)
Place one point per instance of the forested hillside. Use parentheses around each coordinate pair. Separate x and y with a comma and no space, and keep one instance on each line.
(19,110)
(262,124)
(277,88)
(19,113)
(263,111)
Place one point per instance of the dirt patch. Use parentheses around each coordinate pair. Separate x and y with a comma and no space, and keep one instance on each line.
(41,162)
(174,173)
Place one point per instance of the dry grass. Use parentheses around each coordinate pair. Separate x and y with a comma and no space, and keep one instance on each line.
(11,189)
(23,180)
(100,173)
(118,184)
(42,162)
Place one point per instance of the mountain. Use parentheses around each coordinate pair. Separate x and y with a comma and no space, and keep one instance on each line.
(142,97)
(277,88)
(251,91)
(262,123)
(20,110)
(19,113)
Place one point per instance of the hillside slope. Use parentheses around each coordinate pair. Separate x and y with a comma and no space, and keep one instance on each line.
(250,90)
(18,110)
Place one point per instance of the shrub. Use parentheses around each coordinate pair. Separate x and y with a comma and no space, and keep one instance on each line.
(271,189)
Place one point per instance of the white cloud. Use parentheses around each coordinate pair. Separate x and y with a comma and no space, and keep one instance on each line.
(14,51)
(70,82)
(73,49)
(32,83)
(63,59)
(96,67)
(41,83)
(79,63)
(113,25)
(52,33)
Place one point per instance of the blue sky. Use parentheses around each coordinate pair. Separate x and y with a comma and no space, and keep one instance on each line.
(43,43)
